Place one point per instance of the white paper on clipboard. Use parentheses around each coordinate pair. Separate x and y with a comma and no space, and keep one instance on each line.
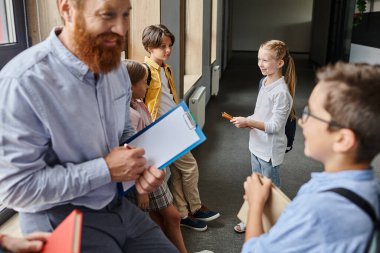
(168,138)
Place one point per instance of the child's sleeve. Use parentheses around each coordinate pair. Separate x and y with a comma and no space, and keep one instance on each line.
(280,112)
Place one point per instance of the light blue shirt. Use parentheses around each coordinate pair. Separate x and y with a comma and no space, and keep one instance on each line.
(56,124)
(317,221)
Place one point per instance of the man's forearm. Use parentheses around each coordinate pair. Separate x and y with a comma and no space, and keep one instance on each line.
(52,185)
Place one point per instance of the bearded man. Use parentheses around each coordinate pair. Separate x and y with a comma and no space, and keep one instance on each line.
(64,115)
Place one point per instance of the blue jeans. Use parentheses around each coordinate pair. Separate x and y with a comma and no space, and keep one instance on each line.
(266,169)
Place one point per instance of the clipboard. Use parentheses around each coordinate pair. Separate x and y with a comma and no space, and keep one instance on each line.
(168,138)
(273,208)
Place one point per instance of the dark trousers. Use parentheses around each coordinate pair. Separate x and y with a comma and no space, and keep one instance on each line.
(118,227)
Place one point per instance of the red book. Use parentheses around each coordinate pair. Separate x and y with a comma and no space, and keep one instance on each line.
(66,238)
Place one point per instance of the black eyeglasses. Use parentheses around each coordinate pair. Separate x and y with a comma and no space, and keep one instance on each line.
(306,114)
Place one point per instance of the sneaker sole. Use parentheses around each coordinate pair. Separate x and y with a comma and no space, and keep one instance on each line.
(193,228)
(209,218)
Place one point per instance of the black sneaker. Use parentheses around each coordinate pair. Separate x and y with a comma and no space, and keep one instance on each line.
(205,214)
(194,224)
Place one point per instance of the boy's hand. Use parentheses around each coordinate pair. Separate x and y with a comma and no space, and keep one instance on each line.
(257,190)
(125,164)
(143,200)
(150,180)
(240,122)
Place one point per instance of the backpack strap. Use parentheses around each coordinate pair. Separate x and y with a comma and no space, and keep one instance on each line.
(290,132)
(149,77)
(357,200)
(367,208)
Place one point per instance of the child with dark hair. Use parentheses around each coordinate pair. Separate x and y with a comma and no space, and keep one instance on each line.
(161,96)
(340,124)
(159,203)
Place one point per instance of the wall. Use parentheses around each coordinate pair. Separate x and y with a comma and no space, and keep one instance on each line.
(360,53)
(363,53)
(143,13)
(42,16)
(376,5)
(171,11)
(256,21)
(205,79)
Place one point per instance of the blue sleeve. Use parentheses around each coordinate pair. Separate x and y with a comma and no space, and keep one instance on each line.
(28,180)
(291,233)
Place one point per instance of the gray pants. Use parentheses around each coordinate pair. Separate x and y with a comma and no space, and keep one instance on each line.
(118,227)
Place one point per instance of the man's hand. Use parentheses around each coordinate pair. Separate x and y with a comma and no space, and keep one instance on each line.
(125,164)
(28,244)
(150,180)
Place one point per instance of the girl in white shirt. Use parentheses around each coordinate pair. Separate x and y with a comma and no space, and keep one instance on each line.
(274,104)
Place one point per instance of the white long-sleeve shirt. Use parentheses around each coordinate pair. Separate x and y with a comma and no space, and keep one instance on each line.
(273,107)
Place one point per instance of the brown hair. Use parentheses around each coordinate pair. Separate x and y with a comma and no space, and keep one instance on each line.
(153,34)
(353,102)
(135,70)
(282,53)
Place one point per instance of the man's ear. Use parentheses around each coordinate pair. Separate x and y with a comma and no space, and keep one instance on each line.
(345,141)
(65,10)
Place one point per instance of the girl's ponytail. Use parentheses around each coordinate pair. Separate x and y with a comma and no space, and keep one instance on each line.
(282,53)
(290,79)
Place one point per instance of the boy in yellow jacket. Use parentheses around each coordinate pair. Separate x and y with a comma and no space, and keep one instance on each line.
(161,96)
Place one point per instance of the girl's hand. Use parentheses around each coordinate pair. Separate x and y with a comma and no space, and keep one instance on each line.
(240,122)
(257,189)
(143,200)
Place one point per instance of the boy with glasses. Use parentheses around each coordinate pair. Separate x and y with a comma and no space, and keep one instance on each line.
(341,129)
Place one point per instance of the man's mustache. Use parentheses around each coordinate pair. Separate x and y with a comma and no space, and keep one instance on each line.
(110,36)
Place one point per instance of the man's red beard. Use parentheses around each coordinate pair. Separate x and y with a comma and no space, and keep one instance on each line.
(92,51)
